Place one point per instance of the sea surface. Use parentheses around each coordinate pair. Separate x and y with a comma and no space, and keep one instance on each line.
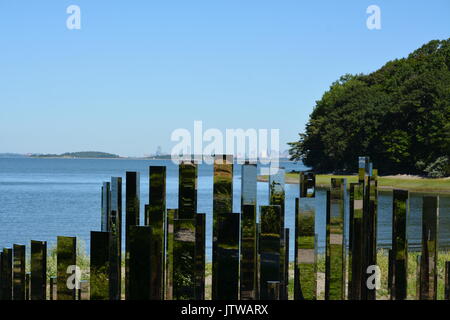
(43,198)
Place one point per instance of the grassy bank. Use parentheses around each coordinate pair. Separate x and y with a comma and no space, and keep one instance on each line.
(382,261)
(412,183)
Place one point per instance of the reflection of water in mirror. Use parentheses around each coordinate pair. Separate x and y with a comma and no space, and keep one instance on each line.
(43,198)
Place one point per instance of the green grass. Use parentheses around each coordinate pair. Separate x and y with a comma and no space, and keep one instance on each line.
(410,183)
(382,261)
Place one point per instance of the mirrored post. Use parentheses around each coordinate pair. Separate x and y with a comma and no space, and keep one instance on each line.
(38,266)
(400,244)
(222,205)
(131,217)
(335,265)
(157,215)
(269,247)
(66,257)
(100,265)
(428,271)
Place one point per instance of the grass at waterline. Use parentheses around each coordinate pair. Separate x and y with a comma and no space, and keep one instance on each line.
(382,261)
(412,183)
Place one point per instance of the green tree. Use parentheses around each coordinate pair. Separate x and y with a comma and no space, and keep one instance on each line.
(398,115)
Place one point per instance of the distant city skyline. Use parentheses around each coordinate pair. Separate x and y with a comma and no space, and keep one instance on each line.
(136,72)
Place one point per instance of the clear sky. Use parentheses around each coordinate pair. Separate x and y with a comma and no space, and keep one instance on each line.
(137,70)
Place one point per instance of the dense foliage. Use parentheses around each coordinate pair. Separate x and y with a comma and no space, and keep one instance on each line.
(398,115)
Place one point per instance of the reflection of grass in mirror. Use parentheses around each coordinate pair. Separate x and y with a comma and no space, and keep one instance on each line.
(411,183)
(83,260)
(382,260)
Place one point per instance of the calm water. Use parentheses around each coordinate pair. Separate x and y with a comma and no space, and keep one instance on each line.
(43,198)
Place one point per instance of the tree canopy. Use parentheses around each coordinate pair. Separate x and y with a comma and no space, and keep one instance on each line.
(399,116)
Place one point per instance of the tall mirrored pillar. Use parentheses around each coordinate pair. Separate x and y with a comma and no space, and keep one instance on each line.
(140,262)
(269,247)
(115,244)
(106,205)
(248,270)
(356,241)
(335,241)
(228,257)
(38,266)
(132,204)
(18,272)
(248,264)
(157,217)
(172,214)
(428,265)
(222,206)
(400,244)
(370,223)
(184,259)
(200,238)
(277,198)
(100,265)
(187,190)
(305,275)
(66,257)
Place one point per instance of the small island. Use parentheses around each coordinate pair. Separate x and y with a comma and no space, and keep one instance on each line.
(78,155)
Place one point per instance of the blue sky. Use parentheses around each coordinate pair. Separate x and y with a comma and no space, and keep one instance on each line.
(137,70)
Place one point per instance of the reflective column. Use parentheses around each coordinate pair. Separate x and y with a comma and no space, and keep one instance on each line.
(371,230)
(106,205)
(286,262)
(27,286)
(222,205)
(228,258)
(140,262)
(172,214)
(248,263)
(356,241)
(131,217)
(335,258)
(38,266)
(248,270)
(100,265)
(428,270)
(184,259)
(447,281)
(364,172)
(277,198)
(200,238)
(400,244)
(305,275)
(187,190)
(157,213)
(66,256)
(19,272)
(115,244)
(269,247)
